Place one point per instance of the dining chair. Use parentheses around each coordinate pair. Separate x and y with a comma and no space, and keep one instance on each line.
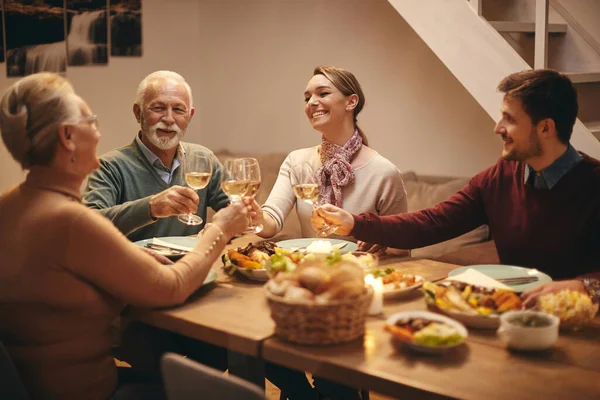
(364,395)
(11,386)
(185,379)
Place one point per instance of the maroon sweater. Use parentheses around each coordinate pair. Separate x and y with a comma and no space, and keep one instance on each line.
(556,231)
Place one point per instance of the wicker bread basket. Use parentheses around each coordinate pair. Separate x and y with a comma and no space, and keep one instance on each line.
(308,323)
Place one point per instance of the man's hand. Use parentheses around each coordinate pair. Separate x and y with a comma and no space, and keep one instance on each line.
(174,201)
(376,249)
(332,215)
(530,297)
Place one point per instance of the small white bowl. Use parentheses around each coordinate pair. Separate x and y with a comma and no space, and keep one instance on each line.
(519,337)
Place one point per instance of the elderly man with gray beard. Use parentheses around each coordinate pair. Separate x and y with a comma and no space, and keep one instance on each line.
(141,187)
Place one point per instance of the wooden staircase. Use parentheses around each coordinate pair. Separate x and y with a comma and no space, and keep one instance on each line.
(479,53)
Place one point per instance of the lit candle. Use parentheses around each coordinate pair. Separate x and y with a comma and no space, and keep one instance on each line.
(377,302)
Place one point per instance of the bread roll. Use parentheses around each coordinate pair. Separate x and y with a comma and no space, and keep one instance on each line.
(315,279)
(298,294)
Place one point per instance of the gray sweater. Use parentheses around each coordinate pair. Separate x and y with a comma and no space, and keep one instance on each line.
(121,189)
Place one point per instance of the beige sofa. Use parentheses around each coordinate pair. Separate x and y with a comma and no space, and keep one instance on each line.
(423,191)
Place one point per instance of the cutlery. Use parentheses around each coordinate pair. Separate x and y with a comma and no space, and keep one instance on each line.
(335,246)
(510,281)
(519,281)
(164,248)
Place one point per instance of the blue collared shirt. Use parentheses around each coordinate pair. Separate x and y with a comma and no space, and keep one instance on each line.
(549,176)
(164,172)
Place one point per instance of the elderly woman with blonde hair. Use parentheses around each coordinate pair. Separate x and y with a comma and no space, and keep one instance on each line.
(67,271)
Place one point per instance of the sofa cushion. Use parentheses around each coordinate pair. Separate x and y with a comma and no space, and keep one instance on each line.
(422,195)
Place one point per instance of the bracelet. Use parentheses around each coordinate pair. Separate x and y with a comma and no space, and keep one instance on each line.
(217,239)
(592,288)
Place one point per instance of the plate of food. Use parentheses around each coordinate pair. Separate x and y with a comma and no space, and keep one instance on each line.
(395,282)
(314,245)
(574,309)
(475,306)
(172,247)
(251,260)
(426,332)
(517,278)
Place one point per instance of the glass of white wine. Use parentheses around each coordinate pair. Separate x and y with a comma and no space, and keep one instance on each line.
(307,188)
(234,181)
(197,170)
(252,173)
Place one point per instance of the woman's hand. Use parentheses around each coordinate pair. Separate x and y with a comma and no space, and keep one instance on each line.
(233,219)
(255,211)
(530,297)
(332,215)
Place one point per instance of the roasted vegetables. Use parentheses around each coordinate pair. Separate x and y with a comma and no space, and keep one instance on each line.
(470,299)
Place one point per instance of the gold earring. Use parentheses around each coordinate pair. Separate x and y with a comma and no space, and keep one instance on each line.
(73,159)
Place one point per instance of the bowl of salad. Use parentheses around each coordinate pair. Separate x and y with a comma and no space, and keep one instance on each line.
(426,332)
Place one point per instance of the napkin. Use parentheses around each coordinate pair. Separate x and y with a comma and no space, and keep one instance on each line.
(159,242)
(474,277)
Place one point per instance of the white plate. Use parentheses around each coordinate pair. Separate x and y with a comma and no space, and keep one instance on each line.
(462,331)
(293,244)
(399,292)
(472,321)
(254,274)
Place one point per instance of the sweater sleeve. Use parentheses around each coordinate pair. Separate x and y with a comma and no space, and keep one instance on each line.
(216,198)
(97,252)
(393,198)
(103,193)
(460,214)
(282,198)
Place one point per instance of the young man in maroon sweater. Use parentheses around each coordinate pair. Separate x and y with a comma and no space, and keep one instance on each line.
(541,199)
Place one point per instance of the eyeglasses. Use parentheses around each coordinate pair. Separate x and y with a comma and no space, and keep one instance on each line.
(92,119)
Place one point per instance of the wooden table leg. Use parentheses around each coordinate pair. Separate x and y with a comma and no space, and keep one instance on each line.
(246,367)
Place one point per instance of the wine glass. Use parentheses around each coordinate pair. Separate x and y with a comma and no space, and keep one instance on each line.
(234,181)
(197,172)
(306,187)
(252,173)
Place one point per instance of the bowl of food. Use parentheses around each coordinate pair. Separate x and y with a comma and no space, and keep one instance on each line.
(574,309)
(317,303)
(475,306)
(250,261)
(395,282)
(528,330)
(426,332)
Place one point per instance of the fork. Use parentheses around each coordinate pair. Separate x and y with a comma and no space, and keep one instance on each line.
(519,280)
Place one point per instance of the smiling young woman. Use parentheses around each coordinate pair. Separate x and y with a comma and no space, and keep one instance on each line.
(350,173)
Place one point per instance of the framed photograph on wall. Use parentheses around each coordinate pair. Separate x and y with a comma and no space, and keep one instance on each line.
(35,36)
(87,32)
(126,28)
(1,32)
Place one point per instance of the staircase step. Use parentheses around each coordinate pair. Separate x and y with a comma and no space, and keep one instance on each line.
(594,127)
(584,77)
(525,27)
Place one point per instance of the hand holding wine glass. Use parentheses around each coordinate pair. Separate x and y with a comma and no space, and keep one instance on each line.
(234,181)
(307,188)
(252,173)
(198,171)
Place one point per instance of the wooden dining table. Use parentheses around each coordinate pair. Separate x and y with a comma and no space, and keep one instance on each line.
(233,313)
